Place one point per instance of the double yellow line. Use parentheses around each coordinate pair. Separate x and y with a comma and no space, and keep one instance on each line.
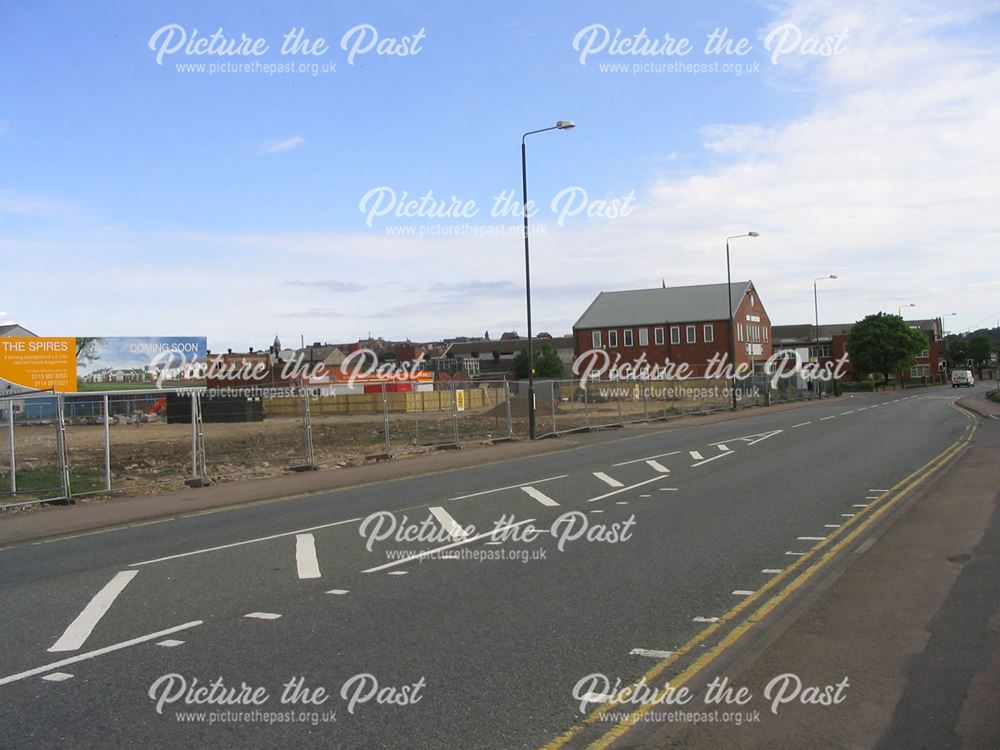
(802,570)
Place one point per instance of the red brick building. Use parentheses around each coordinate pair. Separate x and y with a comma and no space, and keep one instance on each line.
(687,324)
(828,343)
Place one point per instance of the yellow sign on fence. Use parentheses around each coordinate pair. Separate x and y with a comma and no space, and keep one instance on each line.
(460,400)
(38,363)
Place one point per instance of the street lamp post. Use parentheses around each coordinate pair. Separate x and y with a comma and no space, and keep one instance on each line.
(945,315)
(819,389)
(899,311)
(560,125)
(732,327)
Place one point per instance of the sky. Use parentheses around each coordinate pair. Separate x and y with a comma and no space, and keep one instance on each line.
(154,182)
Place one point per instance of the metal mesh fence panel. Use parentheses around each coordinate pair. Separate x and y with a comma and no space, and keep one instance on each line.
(32,437)
(255,431)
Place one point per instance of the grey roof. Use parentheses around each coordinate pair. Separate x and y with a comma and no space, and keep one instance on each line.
(677,304)
(14,328)
(486,347)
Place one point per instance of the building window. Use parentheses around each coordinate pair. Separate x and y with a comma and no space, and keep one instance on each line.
(692,334)
(709,333)
(767,333)
(627,337)
(920,371)
(675,334)
(924,354)
(739,332)
(658,336)
(612,339)
(596,339)
(751,300)
(643,337)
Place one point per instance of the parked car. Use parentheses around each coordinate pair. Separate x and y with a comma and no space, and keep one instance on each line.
(962,377)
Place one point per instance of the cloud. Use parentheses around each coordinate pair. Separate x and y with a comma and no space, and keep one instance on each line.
(473,286)
(884,175)
(329,285)
(275,147)
(315,312)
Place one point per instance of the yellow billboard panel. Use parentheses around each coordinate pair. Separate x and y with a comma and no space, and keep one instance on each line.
(38,364)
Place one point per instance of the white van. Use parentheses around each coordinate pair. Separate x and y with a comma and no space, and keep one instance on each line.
(962,377)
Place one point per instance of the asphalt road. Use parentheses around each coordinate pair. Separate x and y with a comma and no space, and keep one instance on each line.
(666,530)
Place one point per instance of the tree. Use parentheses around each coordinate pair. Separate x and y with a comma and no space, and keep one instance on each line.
(884,344)
(87,349)
(979,350)
(547,362)
(958,352)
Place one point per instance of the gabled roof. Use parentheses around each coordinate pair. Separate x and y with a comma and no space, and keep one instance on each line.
(13,329)
(485,347)
(676,304)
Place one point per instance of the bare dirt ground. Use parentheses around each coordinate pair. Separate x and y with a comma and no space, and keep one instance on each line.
(152,457)
(147,458)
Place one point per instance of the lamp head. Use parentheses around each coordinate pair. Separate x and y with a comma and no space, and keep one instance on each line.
(565,124)
(753,234)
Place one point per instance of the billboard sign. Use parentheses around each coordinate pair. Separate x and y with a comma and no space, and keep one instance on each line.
(37,364)
(91,363)
(131,362)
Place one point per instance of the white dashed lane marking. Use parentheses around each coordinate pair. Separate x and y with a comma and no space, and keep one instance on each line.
(306,562)
(449,524)
(57,676)
(650,652)
(647,458)
(78,631)
(610,481)
(539,496)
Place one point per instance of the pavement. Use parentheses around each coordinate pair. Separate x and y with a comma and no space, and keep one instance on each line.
(501,604)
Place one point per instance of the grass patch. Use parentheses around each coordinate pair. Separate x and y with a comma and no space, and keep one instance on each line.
(44,481)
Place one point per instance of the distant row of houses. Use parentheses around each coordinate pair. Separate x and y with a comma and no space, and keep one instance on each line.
(684,324)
